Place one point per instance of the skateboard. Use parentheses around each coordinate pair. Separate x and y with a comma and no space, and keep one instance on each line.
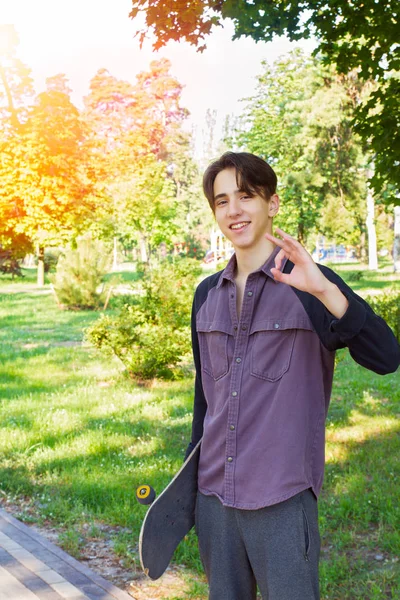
(169,518)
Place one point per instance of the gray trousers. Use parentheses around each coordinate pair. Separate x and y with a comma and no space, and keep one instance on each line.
(276,548)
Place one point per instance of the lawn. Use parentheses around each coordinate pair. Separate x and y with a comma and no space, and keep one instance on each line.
(78,437)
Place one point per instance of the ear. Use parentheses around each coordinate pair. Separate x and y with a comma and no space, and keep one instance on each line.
(274,205)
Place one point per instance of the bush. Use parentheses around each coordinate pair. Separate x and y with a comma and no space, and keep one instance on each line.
(9,265)
(387,306)
(50,260)
(151,333)
(79,278)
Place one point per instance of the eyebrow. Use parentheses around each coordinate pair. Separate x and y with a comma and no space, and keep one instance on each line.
(224,194)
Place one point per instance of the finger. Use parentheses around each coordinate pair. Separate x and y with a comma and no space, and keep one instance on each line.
(278,258)
(283,234)
(275,240)
(279,276)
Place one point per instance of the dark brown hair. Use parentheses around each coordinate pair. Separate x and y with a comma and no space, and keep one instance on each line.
(253,175)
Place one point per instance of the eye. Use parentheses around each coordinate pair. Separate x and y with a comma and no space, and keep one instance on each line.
(220,202)
(245,197)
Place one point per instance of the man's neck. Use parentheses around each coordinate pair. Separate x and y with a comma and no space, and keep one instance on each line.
(249,261)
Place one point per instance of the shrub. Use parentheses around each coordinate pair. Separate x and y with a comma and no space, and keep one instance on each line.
(9,264)
(50,260)
(387,306)
(151,333)
(79,278)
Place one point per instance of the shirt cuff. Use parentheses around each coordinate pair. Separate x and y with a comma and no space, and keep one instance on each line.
(352,321)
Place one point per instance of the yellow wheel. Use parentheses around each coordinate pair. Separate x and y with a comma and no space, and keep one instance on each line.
(145,494)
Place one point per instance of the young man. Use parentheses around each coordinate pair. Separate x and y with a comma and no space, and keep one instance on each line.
(265,331)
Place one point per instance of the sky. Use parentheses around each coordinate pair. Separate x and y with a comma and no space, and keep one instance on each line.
(78,37)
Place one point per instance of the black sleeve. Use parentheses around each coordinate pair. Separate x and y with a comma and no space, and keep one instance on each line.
(369,339)
(200,403)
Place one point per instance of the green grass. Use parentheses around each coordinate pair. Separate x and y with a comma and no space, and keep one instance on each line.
(78,437)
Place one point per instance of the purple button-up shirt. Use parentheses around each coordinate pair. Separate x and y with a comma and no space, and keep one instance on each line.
(264,382)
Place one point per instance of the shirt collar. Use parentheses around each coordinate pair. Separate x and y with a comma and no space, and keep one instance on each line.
(228,274)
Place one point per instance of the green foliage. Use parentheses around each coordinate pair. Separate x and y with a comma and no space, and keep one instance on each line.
(50,260)
(79,277)
(300,122)
(356,276)
(361,35)
(9,265)
(151,333)
(387,306)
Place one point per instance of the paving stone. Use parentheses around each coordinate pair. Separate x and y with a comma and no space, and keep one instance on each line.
(11,545)
(18,571)
(44,554)
(32,546)
(66,589)
(50,576)
(30,562)
(51,595)
(95,592)
(73,575)
(36,584)
(55,563)
(6,558)
(12,588)
(32,568)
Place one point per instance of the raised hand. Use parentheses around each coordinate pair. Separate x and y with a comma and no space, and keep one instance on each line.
(305,275)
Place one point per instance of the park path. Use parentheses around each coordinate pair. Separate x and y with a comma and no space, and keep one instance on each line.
(32,568)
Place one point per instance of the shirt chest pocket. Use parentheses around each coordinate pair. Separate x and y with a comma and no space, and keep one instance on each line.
(271,346)
(215,341)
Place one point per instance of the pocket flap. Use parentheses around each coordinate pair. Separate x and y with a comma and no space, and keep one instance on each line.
(277,324)
(210,326)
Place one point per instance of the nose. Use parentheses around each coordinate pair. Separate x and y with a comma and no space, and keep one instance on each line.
(234,207)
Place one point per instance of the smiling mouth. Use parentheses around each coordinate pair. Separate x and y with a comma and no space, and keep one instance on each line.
(239,226)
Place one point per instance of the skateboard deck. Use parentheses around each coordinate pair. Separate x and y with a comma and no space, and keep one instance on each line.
(169,518)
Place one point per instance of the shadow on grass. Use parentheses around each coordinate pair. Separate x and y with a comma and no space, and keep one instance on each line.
(103,464)
(355,387)
(359,516)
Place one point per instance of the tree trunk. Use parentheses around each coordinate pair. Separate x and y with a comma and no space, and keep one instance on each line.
(372,251)
(115,255)
(40,268)
(143,249)
(363,253)
(396,241)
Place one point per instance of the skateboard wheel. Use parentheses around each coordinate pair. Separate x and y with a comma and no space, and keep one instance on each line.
(145,494)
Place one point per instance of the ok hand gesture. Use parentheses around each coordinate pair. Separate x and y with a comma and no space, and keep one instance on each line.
(305,274)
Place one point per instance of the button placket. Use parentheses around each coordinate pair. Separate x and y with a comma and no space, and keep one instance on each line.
(240,346)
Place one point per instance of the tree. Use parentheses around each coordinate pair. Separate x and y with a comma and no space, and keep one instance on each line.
(300,122)
(361,35)
(136,133)
(45,188)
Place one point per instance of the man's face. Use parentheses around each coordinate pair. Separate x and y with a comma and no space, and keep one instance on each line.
(243,219)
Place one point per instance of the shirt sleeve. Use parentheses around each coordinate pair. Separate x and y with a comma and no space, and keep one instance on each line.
(199,404)
(370,340)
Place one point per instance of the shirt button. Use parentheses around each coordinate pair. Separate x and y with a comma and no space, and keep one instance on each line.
(244,327)
(276,325)
(238,360)
(235,328)
(249,293)
(230,459)
(234,394)
(232,428)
